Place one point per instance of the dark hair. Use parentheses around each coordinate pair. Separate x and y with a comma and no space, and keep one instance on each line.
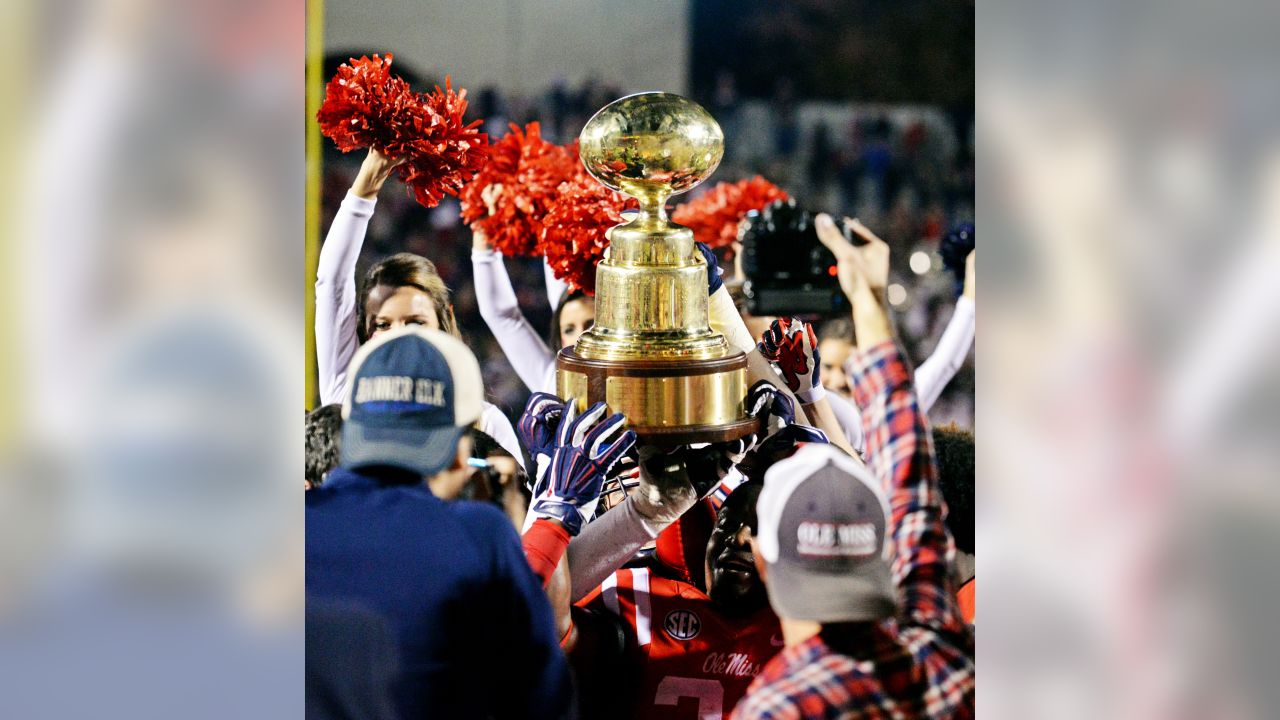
(838,329)
(554,336)
(407,270)
(954,448)
(323,442)
(483,445)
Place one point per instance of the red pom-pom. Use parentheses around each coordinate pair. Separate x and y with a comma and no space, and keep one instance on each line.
(366,106)
(714,216)
(443,152)
(573,231)
(509,198)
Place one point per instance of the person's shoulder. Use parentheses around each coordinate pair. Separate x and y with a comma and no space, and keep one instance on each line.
(482,520)
(483,513)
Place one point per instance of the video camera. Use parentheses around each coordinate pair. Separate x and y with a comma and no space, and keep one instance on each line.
(787,270)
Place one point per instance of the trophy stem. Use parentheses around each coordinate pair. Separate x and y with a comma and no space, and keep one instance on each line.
(653,210)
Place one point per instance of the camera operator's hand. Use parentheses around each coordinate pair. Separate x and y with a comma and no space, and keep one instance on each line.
(792,347)
(864,273)
(858,266)
(586,447)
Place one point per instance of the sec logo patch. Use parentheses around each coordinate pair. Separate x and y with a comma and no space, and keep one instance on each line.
(682,624)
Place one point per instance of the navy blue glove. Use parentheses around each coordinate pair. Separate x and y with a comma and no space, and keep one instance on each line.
(954,248)
(708,463)
(779,445)
(538,423)
(796,434)
(765,401)
(714,281)
(586,447)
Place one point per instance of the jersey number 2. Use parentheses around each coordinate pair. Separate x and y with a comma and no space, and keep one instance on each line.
(709,693)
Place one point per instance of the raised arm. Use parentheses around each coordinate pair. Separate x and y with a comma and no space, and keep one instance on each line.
(899,448)
(792,347)
(336,312)
(565,495)
(953,347)
(525,349)
(556,287)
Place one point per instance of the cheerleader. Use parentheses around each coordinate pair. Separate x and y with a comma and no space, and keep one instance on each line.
(400,291)
(532,356)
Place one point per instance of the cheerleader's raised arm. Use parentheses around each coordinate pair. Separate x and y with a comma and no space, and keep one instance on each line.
(953,347)
(526,350)
(336,314)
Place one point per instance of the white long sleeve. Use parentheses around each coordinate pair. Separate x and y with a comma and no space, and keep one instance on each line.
(496,425)
(533,361)
(605,544)
(849,418)
(555,286)
(953,347)
(336,315)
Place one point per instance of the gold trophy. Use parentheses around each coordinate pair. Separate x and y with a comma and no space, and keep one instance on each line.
(652,354)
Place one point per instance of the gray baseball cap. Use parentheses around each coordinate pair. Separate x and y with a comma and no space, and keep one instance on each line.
(823,533)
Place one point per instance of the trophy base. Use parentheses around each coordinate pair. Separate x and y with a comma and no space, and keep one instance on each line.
(666,403)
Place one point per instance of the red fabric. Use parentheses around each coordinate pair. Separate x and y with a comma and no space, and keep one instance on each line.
(967,597)
(714,215)
(544,545)
(694,661)
(366,106)
(521,181)
(682,547)
(573,232)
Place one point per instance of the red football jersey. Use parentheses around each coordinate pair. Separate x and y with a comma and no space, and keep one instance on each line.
(694,662)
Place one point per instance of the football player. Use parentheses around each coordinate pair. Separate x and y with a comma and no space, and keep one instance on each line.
(690,643)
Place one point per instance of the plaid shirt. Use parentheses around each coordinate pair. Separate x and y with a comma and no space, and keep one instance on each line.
(920,664)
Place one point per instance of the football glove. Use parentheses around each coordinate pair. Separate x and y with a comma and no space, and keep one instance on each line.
(586,447)
(792,347)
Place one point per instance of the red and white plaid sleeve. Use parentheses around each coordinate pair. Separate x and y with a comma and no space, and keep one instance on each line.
(899,451)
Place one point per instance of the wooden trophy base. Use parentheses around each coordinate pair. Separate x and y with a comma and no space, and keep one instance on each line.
(667,403)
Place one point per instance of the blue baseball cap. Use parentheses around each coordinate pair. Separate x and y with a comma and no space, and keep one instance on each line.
(411,395)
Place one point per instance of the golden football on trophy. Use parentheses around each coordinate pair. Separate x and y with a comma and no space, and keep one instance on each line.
(652,354)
